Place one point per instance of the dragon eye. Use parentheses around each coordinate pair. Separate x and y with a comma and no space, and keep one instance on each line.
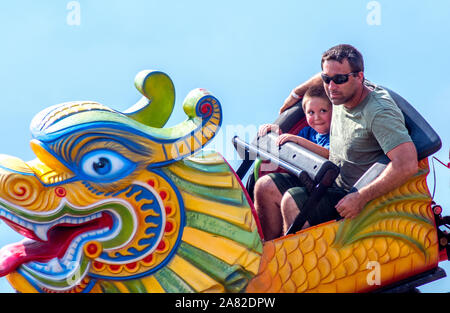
(103,166)
(106,165)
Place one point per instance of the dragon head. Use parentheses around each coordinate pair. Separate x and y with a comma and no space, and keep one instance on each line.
(96,204)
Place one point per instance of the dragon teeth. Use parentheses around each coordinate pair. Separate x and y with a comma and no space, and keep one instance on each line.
(54,266)
(41,231)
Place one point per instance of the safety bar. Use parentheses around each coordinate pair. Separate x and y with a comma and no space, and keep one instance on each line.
(290,156)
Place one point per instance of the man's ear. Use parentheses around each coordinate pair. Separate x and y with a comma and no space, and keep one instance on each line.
(361,77)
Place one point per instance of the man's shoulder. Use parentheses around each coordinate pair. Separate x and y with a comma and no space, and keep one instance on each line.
(379,100)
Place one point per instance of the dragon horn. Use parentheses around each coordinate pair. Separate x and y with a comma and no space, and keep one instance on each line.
(204,119)
(141,124)
(156,105)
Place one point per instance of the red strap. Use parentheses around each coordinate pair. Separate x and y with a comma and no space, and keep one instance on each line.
(446,165)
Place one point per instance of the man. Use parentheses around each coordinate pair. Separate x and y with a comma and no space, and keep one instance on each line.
(366,124)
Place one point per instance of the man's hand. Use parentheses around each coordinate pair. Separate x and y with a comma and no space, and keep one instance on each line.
(402,166)
(299,91)
(290,101)
(350,205)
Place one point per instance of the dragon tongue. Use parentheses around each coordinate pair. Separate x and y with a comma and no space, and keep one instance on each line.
(14,255)
(9,258)
(27,250)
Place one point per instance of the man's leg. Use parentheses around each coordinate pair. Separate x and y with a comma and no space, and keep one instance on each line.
(267,205)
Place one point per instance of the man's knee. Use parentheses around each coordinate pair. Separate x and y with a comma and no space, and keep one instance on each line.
(289,207)
(287,200)
(264,185)
(289,211)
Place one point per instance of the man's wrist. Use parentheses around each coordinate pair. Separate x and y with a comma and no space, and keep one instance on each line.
(364,196)
(294,95)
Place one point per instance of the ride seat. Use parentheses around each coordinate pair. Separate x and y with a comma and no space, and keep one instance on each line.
(292,120)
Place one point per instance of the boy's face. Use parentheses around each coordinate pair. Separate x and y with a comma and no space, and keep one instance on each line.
(318,114)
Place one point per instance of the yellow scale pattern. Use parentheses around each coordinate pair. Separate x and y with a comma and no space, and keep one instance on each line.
(312,261)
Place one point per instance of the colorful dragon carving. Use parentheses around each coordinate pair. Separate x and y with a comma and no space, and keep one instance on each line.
(116,203)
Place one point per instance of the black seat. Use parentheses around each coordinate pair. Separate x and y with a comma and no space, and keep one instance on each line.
(425,139)
(422,134)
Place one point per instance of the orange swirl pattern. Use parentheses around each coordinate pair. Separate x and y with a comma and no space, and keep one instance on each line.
(27,192)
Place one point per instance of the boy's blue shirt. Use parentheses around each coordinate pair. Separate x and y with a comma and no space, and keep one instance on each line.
(310,134)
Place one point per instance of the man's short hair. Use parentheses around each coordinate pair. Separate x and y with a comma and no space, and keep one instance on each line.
(341,52)
(317,91)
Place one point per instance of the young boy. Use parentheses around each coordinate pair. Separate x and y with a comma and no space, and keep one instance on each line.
(314,137)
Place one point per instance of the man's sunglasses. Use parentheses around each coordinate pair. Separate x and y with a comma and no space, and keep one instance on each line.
(337,79)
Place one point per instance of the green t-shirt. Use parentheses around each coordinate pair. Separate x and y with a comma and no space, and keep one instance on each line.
(360,136)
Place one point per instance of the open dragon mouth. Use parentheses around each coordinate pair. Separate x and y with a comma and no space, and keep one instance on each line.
(54,243)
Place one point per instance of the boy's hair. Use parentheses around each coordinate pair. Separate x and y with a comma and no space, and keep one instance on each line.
(315,91)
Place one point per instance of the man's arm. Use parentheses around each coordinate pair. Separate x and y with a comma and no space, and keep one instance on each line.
(300,91)
(403,165)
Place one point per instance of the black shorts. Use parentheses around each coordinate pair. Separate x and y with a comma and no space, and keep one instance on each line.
(324,211)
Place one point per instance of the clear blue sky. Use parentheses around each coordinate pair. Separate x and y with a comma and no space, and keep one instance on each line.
(250,54)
